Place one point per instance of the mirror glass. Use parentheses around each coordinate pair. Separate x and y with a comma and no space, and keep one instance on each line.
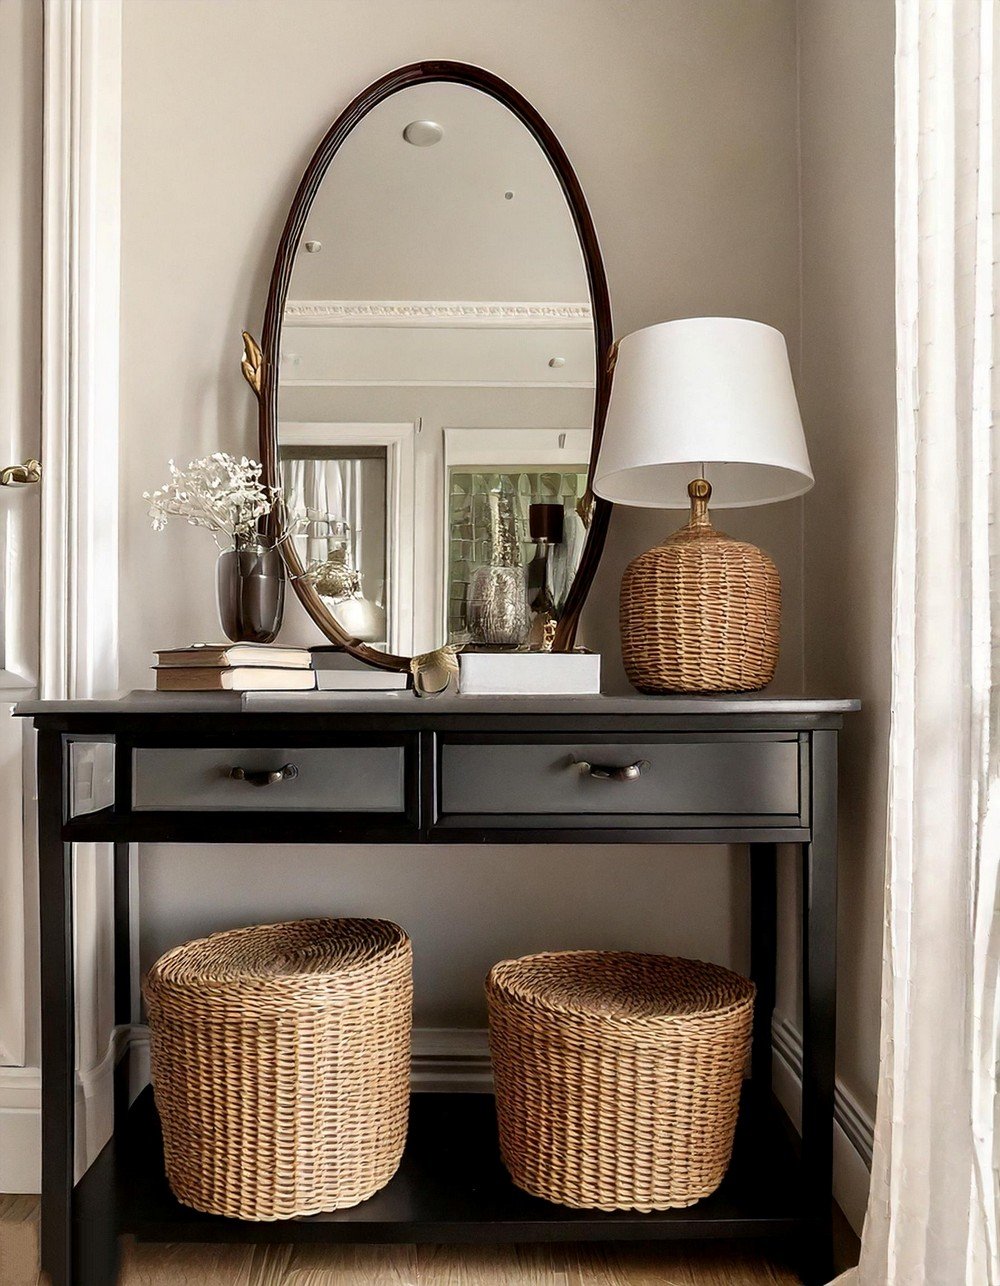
(437,380)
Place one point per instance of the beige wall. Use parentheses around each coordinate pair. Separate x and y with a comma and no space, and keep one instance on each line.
(680,119)
(679,116)
(847,392)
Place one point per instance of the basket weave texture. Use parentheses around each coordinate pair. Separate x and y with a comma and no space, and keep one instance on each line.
(618,1075)
(700,612)
(281,1065)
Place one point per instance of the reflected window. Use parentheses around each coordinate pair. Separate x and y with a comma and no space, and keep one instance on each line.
(335,498)
(488,522)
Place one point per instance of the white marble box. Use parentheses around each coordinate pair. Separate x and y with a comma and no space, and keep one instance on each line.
(529,673)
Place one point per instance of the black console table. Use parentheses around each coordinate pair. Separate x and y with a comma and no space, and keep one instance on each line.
(326,768)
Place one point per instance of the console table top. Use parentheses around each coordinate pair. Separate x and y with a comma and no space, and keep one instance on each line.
(405,702)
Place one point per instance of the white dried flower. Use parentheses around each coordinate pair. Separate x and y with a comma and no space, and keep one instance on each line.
(219,492)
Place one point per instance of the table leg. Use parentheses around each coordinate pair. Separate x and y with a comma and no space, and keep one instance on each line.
(763,961)
(819,1007)
(55,877)
(123,936)
(123,970)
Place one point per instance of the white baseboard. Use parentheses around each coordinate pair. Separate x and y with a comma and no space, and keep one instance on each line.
(20,1117)
(853,1129)
(444,1059)
(451,1060)
(20,1130)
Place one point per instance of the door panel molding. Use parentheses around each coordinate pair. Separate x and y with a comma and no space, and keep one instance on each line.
(80,339)
(81,250)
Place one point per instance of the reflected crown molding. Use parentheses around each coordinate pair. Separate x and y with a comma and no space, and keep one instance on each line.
(438,313)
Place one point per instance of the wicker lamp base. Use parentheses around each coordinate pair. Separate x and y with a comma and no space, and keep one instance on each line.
(700,612)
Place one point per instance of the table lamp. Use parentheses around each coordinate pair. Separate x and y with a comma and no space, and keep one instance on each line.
(704,405)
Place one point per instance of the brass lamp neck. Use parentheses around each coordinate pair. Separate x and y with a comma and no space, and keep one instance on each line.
(700,493)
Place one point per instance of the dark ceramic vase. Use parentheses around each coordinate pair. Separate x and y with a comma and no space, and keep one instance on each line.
(250,588)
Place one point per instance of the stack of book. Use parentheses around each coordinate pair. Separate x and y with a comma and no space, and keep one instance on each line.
(234,667)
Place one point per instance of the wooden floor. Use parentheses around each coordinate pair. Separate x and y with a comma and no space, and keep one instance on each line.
(156,1265)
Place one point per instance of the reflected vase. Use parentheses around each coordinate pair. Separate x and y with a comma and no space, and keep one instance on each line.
(362,619)
(250,590)
(498,614)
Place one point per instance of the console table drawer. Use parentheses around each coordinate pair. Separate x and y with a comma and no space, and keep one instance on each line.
(710,777)
(351,779)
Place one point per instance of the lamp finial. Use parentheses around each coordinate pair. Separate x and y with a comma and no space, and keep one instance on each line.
(700,493)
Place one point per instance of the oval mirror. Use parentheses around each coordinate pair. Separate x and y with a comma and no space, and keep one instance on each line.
(434,374)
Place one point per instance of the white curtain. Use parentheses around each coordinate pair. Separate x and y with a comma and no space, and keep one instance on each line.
(932,1215)
(325,488)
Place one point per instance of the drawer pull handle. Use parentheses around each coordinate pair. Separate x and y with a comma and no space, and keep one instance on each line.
(263,776)
(615,772)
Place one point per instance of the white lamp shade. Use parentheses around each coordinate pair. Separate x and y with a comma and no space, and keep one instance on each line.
(712,391)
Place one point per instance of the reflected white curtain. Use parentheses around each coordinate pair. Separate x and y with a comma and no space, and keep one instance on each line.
(324,488)
(932,1215)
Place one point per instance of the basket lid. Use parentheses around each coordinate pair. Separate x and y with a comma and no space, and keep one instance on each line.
(287,950)
(620,985)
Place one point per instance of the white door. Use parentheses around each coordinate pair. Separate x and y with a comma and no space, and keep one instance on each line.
(20,348)
(59,242)
(19,535)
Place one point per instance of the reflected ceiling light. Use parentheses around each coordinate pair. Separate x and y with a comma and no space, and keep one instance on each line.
(423,133)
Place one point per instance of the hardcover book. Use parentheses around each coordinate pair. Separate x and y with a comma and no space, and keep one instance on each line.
(230,654)
(238,678)
(367,680)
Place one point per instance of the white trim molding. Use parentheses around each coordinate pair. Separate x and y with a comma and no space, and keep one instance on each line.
(437,313)
(454,1060)
(81,252)
(20,1115)
(81,274)
(853,1127)
(20,276)
(443,1060)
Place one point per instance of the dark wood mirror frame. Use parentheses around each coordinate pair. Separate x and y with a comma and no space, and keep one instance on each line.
(261,367)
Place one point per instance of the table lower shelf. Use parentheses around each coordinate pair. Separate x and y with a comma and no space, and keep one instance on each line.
(450,1188)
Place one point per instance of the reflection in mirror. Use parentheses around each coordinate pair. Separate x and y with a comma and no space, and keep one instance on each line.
(344,554)
(518,497)
(436,380)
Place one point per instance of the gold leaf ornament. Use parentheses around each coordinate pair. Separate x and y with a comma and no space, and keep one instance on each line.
(433,672)
(253,363)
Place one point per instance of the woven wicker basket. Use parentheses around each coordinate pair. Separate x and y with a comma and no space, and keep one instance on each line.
(281,1065)
(700,612)
(617,1075)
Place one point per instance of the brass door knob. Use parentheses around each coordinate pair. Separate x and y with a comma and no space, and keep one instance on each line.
(19,475)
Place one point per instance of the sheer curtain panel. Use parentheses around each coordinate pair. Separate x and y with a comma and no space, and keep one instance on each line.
(932,1215)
